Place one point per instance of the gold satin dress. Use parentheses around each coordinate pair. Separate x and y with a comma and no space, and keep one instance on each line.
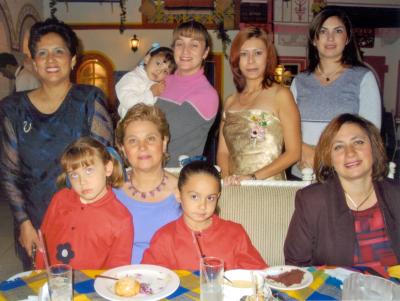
(254,139)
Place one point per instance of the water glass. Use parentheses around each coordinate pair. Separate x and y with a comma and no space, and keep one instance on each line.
(60,282)
(367,287)
(211,279)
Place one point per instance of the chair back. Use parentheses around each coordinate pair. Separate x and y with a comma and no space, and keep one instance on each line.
(264,211)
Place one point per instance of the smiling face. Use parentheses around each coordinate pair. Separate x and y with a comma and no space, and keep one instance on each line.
(53,61)
(351,153)
(189,54)
(331,38)
(144,146)
(198,197)
(156,67)
(253,59)
(90,182)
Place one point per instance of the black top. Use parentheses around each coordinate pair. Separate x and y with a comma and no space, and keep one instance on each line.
(31,144)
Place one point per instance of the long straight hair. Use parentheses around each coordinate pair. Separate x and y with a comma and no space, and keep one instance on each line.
(351,54)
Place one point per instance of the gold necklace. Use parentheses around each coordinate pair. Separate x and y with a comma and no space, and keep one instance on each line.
(251,99)
(328,77)
(362,202)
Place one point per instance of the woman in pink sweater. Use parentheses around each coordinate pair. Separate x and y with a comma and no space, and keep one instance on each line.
(189,101)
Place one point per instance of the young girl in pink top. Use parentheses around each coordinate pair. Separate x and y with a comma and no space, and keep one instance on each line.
(189,101)
(200,232)
(86,226)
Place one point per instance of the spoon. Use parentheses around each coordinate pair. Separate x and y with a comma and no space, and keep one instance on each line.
(227,279)
(106,277)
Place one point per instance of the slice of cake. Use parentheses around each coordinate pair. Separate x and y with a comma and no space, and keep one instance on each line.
(288,278)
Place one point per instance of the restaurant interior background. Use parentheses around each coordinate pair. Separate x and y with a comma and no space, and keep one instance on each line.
(108,51)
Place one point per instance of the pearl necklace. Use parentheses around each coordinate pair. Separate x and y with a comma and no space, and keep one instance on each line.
(152,192)
(328,77)
(362,202)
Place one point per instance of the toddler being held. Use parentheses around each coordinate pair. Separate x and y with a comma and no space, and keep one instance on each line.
(86,226)
(146,81)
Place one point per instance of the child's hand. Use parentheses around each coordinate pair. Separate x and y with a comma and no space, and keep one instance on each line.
(158,88)
(28,237)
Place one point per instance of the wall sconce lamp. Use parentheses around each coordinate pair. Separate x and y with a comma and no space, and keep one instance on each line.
(279,70)
(134,43)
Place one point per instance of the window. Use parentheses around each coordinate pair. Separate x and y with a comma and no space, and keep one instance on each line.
(95,69)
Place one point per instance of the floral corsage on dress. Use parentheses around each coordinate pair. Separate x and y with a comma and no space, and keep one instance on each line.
(258,127)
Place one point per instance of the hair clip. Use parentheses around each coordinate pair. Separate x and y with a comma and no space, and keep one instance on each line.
(154,47)
(188,160)
(67,182)
(116,156)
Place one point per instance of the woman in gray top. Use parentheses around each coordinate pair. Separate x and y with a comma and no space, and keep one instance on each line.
(336,81)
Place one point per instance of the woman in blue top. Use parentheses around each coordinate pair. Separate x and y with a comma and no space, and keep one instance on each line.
(36,126)
(142,136)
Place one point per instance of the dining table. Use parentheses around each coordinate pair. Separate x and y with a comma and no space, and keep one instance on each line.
(326,285)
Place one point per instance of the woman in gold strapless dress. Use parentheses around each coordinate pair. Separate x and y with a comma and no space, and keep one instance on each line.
(261,119)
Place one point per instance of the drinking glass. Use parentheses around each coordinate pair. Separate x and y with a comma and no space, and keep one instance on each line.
(60,282)
(211,279)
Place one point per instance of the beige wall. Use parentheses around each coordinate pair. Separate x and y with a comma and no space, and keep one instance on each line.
(15,15)
(115,46)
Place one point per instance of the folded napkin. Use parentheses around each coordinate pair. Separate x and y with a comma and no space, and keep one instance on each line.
(339,273)
(31,298)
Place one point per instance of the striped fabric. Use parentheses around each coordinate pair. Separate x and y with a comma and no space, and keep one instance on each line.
(323,287)
(265,213)
(372,244)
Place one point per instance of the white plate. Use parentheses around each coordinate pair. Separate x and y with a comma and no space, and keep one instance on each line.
(162,281)
(19,275)
(307,278)
(235,293)
(44,293)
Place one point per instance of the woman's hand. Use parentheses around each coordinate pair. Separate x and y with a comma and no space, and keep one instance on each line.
(28,237)
(234,180)
(307,156)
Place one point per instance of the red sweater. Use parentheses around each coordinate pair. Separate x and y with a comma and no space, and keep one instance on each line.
(174,246)
(87,236)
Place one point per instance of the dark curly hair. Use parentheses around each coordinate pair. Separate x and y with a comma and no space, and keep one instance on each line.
(53,25)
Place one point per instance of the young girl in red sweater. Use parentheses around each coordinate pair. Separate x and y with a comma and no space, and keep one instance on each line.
(199,231)
(86,226)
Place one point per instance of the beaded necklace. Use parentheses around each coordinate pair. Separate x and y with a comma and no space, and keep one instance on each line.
(152,192)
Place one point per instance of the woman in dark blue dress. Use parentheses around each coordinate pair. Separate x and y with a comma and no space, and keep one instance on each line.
(36,126)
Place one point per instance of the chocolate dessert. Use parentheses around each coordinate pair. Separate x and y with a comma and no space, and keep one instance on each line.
(288,278)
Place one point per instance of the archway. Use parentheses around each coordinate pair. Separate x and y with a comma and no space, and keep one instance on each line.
(96,69)
(6,85)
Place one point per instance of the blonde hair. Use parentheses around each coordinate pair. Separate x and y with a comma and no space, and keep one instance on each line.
(192,29)
(142,112)
(81,152)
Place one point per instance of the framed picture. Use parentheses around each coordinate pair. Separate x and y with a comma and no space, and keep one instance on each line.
(292,65)
(99,1)
(255,13)
(168,13)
